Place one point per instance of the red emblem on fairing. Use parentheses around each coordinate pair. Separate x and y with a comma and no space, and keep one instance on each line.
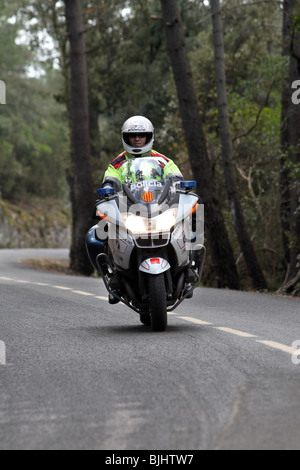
(148,196)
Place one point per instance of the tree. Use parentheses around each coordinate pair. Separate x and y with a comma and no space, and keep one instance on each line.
(290,144)
(255,271)
(81,180)
(222,254)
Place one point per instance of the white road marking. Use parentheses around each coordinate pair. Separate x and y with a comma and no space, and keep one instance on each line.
(2,353)
(61,287)
(80,292)
(235,332)
(195,320)
(281,347)
(272,344)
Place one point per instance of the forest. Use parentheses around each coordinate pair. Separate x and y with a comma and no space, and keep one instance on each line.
(220,80)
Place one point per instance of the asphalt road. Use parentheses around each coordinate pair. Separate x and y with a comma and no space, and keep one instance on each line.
(77,373)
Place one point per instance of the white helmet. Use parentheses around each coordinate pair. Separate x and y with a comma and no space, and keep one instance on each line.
(137,125)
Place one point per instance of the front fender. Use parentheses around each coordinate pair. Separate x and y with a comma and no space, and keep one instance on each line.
(154,266)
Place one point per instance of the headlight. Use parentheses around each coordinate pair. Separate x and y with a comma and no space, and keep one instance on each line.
(166,221)
(141,225)
(135,224)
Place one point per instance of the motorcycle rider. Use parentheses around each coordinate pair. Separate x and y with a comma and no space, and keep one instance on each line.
(137,138)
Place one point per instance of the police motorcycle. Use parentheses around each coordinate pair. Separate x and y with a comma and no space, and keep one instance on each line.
(148,245)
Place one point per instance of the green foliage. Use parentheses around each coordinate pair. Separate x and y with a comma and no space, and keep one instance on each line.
(34,143)
(33,131)
(128,67)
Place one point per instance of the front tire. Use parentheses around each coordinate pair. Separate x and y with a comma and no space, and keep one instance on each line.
(158,302)
(145,319)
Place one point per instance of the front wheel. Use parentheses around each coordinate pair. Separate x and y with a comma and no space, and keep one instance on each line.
(158,302)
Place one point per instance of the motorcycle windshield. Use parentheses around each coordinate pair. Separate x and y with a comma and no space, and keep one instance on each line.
(144,177)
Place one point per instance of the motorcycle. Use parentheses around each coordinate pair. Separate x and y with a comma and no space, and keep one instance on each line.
(148,243)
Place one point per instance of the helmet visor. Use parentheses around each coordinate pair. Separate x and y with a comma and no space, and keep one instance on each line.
(127,136)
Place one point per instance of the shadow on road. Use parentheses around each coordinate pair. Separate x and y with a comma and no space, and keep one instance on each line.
(128,330)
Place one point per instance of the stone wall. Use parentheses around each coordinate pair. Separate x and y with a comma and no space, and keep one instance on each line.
(38,224)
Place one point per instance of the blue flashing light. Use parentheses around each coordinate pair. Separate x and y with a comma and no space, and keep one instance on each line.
(105,191)
(188,184)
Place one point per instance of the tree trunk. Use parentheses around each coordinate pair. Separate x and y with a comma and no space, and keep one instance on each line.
(248,251)
(221,250)
(285,196)
(290,142)
(81,181)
